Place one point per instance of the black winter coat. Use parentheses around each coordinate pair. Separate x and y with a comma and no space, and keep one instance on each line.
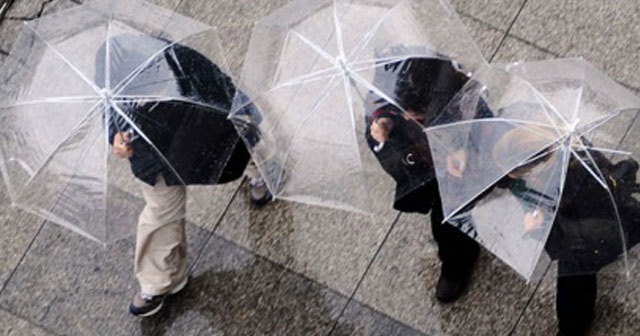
(423,85)
(198,142)
(586,234)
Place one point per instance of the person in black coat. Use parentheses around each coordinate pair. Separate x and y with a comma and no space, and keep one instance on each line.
(411,93)
(175,133)
(586,233)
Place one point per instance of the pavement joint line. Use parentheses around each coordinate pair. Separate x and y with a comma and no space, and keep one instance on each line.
(529,300)
(215,227)
(24,254)
(504,37)
(508,34)
(364,274)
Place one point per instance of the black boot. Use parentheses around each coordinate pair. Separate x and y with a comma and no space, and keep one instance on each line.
(452,283)
(575,303)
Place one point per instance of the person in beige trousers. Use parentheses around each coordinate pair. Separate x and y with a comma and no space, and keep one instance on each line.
(170,144)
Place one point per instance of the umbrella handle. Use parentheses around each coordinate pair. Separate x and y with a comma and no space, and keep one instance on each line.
(377,148)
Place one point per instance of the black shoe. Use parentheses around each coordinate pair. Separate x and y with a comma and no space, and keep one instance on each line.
(259,194)
(576,328)
(581,332)
(144,305)
(450,288)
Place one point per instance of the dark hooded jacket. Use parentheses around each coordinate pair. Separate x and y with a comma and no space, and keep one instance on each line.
(423,85)
(586,234)
(198,142)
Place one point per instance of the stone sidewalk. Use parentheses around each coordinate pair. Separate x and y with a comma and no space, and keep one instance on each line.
(291,269)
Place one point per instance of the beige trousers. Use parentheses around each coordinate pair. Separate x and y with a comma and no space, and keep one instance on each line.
(161,244)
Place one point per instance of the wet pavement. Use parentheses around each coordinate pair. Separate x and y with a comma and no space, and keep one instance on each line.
(292,269)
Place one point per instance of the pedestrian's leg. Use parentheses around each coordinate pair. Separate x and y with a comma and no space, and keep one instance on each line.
(161,247)
(575,303)
(457,252)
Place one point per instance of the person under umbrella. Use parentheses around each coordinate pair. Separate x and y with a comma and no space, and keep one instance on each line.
(585,234)
(417,89)
(170,144)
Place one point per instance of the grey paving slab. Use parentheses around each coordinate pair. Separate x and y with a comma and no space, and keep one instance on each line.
(206,204)
(604,33)
(329,246)
(234,20)
(497,13)
(17,230)
(25,9)
(401,283)
(22,10)
(234,292)
(73,286)
(486,37)
(11,325)
(364,320)
(9,30)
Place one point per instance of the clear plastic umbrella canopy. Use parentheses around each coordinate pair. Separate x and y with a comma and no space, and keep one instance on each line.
(536,160)
(313,69)
(76,77)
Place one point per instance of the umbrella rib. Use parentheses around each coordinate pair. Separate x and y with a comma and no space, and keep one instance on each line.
(58,220)
(66,61)
(378,62)
(376,90)
(315,48)
(339,39)
(122,85)
(168,98)
(251,101)
(489,185)
(579,98)
(311,77)
(347,92)
(369,36)
(598,176)
(49,157)
(611,197)
(325,94)
(107,57)
(127,80)
(598,122)
(608,150)
(515,122)
(545,103)
(275,124)
(70,99)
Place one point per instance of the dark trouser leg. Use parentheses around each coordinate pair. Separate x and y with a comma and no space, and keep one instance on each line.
(456,250)
(575,302)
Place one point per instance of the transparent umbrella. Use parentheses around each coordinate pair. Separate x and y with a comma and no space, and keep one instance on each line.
(315,70)
(549,167)
(76,77)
